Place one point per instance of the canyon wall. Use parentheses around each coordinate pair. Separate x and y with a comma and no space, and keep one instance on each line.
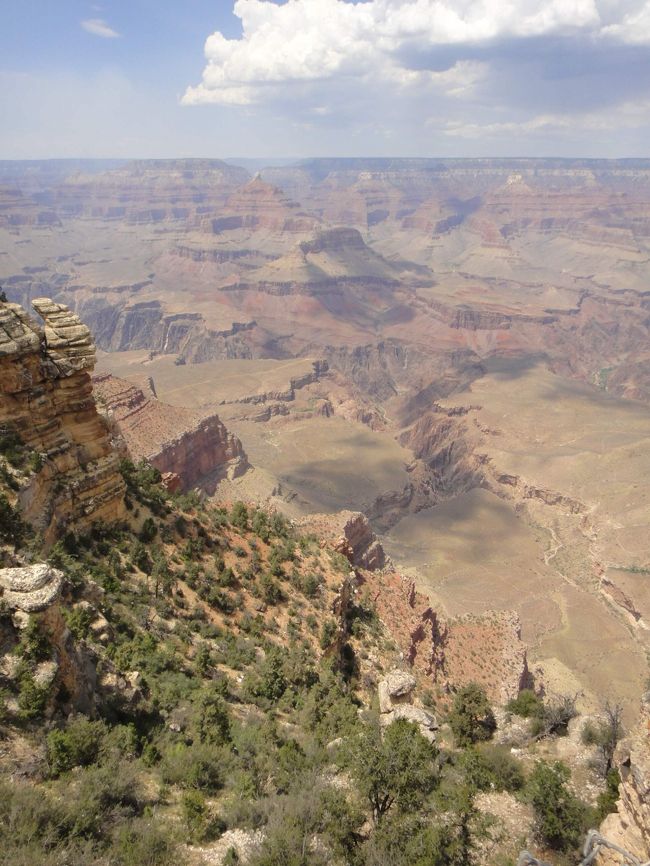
(189,448)
(47,401)
(446,652)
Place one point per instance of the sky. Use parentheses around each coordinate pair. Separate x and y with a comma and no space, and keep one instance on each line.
(301,78)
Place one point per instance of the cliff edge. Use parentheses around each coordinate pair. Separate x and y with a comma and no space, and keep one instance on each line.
(48,404)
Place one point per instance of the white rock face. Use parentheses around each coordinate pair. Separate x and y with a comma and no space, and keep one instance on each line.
(399,684)
(395,694)
(30,588)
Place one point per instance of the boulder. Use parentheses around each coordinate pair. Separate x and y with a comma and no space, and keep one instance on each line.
(30,588)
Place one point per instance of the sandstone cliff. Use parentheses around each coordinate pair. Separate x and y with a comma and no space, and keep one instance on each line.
(188,447)
(47,402)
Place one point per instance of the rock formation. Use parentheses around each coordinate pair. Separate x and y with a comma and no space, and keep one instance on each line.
(259,205)
(47,401)
(352,536)
(629,826)
(30,588)
(396,702)
(485,649)
(182,443)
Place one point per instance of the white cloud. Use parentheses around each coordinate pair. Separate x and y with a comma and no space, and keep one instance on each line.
(319,40)
(630,115)
(98,27)
(633,28)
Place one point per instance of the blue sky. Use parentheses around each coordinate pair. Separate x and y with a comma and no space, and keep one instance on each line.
(324,77)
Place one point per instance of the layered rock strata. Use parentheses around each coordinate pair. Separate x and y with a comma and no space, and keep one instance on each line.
(46,399)
(189,449)
(30,588)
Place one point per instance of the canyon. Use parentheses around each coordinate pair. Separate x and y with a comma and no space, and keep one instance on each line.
(459,349)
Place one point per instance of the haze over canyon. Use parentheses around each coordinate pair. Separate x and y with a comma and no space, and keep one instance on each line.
(457,348)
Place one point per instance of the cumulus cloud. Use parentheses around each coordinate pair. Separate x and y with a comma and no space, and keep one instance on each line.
(317,40)
(486,69)
(98,27)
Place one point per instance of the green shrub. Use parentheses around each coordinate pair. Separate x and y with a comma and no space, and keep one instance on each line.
(328,632)
(329,710)
(270,681)
(12,527)
(605,734)
(526,704)
(148,532)
(270,590)
(221,600)
(399,767)
(489,767)
(143,842)
(32,698)
(212,718)
(197,766)
(554,717)
(471,718)
(120,741)
(201,824)
(239,515)
(560,816)
(78,745)
(34,644)
(103,796)
(32,825)
(607,800)
(79,620)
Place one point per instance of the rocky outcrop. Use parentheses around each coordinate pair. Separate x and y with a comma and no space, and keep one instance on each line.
(192,449)
(334,240)
(68,341)
(318,369)
(396,702)
(46,399)
(629,826)
(30,588)
(358,542)
(351,534)
(143,191)
(485,649)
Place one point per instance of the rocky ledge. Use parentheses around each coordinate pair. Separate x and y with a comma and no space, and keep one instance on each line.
(485,649)
(189,448)
(68,341)
(396,702)
(351,534)
(30,588)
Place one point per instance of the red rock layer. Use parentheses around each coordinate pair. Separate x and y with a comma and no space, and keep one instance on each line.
(190,447)
(483,649)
